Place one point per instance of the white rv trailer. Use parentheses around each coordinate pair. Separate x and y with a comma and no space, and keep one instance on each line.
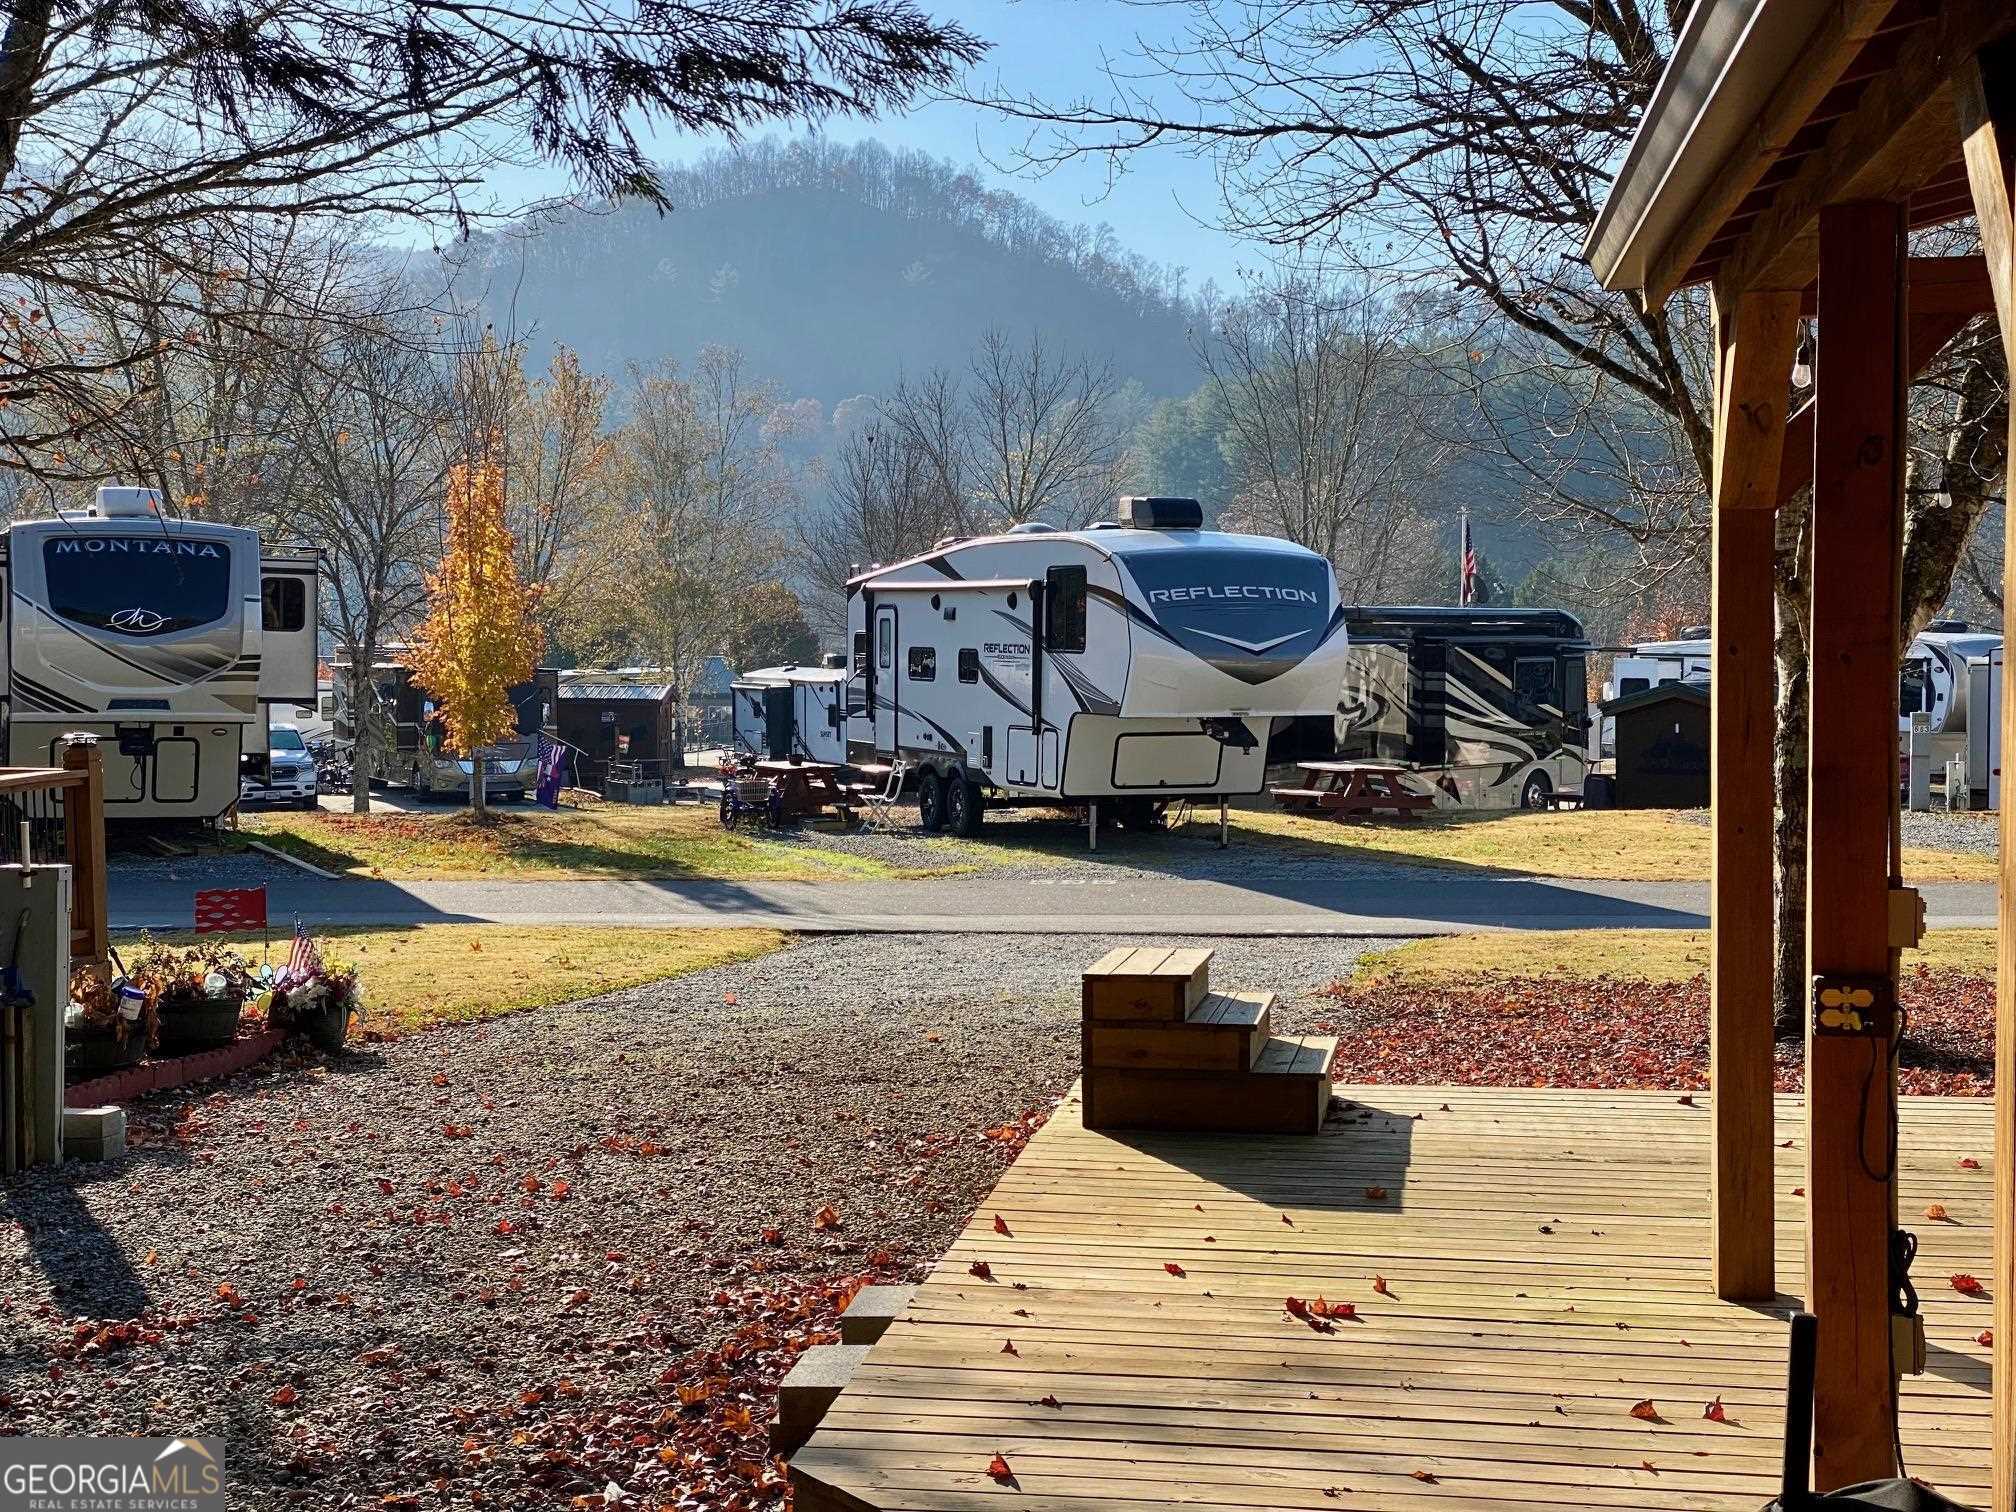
(168,639)
(791,712)
(1126,664)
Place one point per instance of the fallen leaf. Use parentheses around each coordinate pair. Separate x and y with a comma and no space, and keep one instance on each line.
(1936,1212)
(1375,1194)
(997,1468)
(1967,1286)
(1297,1307)
(773,1236)
(1173,1268)
(828,1217)
(1969,1163)
(1008,1347)
(1645,1412)
(1379,1286)
(1001,1225)
(1049,1401)
(286,1396)
(1424,1477)
(981,1269)
(1715,1412)
(1985,1338)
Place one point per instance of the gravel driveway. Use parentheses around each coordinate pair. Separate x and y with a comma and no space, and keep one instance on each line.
(358,1273)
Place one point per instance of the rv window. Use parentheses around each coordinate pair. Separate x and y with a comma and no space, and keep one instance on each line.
(1634,685)
(885,642)
(1064,609)
(923,663)
(969,665)
(1914,687)
(283,604)
(1533,681)
(860,652)
(138,585)
(1575,688)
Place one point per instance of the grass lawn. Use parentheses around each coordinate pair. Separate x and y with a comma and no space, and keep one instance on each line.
(427,975)
(604,840)
(1656,955)
(1616,845)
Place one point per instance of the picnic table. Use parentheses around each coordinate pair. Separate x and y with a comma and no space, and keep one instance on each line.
(1352,789)
(810,788)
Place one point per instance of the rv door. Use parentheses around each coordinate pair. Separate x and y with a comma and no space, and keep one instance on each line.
(886,707)
(289,579)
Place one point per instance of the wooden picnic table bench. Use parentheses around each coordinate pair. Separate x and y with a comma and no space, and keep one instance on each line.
(1353,789)
(811,788)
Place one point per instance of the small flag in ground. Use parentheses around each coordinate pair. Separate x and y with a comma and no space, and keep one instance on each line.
(220,908)
(304,960)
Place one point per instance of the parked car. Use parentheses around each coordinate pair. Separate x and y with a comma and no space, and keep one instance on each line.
(290,772)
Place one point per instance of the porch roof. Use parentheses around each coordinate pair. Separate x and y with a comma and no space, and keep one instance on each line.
(1769,109)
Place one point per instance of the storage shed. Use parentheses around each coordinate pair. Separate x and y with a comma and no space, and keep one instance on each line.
(620,716)
(1662,746)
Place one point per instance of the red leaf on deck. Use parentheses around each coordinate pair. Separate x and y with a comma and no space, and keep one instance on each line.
(1049,1401)
(1297,1307)
(1379,1286)
(1967,1286)
(1173,1268)
(1424,1476)
(1715,1413)
(1645,1412)
(1969,1163)
(1936,1212)
(997,1467)
(1798,1191)
(1687,1101)
(981,1269)
(1985,1338)
(1008,1347)
(1001,1226)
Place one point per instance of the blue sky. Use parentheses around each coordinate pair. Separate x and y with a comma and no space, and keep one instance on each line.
(1165,206)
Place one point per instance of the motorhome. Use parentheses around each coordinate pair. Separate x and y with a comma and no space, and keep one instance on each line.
(1484,708)
(1118,667)
(404,741)
(791,712)
(168,639)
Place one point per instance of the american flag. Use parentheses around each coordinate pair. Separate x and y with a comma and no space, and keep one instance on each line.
(552,764)
(304,960)
(1468,590)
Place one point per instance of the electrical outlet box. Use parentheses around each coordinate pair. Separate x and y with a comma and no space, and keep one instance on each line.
(1907,918)
(1852,1005)
(1907,1343)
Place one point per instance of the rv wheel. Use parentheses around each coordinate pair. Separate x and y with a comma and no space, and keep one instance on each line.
(1534,794)
(931,801)
(964,807)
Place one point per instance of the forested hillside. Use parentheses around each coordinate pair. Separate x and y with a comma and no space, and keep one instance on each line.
(833,270)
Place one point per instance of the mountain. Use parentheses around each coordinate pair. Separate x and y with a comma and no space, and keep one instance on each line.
(834,270)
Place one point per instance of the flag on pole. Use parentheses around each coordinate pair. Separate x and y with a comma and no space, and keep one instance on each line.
(552,771)
(304,960)
(226,908)
(1466,591)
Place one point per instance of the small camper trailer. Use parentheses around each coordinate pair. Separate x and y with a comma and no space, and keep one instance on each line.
(1125,665)
(1487,708)
(792,712)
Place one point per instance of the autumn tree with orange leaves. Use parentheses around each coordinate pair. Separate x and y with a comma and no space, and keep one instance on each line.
(481,634)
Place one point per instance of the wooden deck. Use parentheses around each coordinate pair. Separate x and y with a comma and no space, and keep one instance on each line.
(1546,1258)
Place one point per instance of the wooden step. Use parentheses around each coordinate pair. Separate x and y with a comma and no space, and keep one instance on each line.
(1225,1032)
(1285,1091)
(1150,982)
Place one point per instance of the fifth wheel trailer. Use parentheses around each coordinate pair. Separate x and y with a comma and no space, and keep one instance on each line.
(1129,664)
(167,639)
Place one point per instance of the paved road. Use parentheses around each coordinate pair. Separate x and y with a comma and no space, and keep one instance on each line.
(1410,903)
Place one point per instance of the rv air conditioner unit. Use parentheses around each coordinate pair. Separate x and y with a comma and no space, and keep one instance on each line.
(126,503)
(1139,512)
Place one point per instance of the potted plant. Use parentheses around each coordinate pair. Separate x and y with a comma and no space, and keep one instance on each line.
(312,997)
(111,1021)
(199,991)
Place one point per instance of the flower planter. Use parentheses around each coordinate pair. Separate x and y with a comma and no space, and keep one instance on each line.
(205,1024)
(327,1027)
(97,1054)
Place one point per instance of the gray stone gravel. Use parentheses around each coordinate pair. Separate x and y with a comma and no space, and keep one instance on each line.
(1974,833)
(344,1207)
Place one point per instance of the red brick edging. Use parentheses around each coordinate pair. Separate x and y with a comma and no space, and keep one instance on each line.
(176,1071)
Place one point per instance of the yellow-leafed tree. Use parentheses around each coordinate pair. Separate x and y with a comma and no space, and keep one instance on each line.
(481,634)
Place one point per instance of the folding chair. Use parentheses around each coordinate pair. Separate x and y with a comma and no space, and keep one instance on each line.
(881,802)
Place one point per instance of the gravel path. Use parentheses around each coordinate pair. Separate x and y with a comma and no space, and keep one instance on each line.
(1975,833)
(350,1271)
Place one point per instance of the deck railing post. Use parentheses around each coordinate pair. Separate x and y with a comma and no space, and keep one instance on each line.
(1755,335)
(1851,1099)
(1985,94)
(84,834)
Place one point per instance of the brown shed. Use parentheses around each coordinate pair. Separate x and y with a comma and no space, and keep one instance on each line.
(617,716)
(1662,746)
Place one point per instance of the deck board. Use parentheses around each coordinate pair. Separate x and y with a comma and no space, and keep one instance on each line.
(1545,1255)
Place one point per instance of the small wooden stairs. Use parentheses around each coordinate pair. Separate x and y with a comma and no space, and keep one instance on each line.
(1163,1051)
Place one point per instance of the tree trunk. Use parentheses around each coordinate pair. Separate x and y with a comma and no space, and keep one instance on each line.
(363,727)
(479,804)
(1794,596)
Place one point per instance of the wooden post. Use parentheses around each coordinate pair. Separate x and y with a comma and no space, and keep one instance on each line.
(1755,336)
(1985,95)
(84,832)
(1850,1084)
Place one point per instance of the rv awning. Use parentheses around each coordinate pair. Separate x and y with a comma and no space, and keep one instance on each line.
(576,692)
